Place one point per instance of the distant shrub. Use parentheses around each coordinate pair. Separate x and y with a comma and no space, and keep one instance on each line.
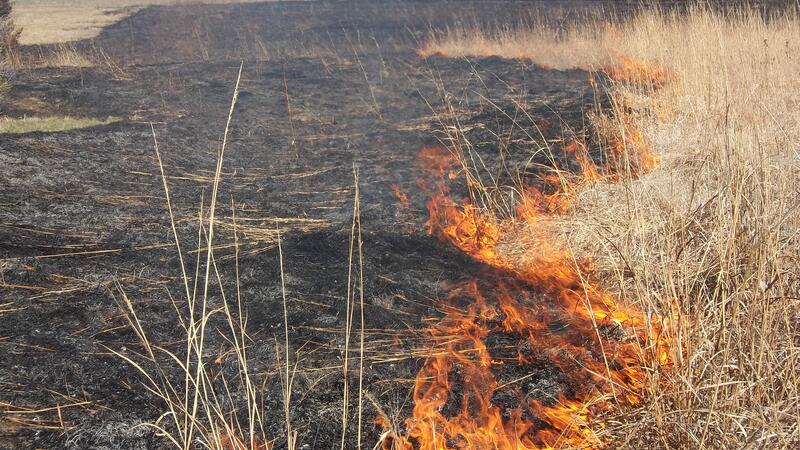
(9,36)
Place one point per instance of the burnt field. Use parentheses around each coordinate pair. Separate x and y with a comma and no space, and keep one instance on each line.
(88,259)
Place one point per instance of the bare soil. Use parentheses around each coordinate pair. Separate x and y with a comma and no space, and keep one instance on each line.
(83,210)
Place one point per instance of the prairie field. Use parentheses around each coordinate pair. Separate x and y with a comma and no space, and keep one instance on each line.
(399,225)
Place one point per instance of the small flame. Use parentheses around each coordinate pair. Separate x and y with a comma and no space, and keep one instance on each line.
(402,197)
(579,151)
(628,152)
(233,442)
(630,70)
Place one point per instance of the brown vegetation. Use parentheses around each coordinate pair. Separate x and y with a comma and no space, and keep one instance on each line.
(9,35)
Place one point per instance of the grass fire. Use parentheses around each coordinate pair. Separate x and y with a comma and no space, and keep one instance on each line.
(241,224)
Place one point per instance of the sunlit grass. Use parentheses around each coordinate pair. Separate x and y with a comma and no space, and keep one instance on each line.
(9,125)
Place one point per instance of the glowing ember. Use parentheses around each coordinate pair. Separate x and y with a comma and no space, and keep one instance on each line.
(231,442)
(551,313)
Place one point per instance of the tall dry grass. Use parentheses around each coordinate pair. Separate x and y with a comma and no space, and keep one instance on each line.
(709,238)
(203,407)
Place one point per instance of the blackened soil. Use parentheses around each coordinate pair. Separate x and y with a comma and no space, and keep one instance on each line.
(325,88)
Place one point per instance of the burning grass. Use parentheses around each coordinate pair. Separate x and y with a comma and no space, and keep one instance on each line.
(554,313)
(709,238)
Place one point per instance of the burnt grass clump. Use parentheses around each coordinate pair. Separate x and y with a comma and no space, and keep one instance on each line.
(324,87)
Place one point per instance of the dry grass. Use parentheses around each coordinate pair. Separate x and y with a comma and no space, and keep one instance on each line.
(709,238)
(50,124)
(202,405)
(69,55)
(58,21)
(60,55)
(715,229)
(198,406)
(4,77)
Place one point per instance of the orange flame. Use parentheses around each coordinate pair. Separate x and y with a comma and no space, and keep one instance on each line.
(232,442)
(579,151)
(402,197)
(628,154)
(597,343)
(631,71)
(629,149)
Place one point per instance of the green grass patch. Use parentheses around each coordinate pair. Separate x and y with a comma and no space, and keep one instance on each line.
(50,124)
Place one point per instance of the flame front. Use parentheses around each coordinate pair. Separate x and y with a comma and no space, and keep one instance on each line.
(549,310)
(630,70)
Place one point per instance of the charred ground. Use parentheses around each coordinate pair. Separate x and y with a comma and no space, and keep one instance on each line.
(83,210)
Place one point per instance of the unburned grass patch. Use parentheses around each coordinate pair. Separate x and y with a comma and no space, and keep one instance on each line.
(9,125)
(61,55)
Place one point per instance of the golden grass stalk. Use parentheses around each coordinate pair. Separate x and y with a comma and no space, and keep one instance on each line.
(291,436)
(355,246)
(194,407)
